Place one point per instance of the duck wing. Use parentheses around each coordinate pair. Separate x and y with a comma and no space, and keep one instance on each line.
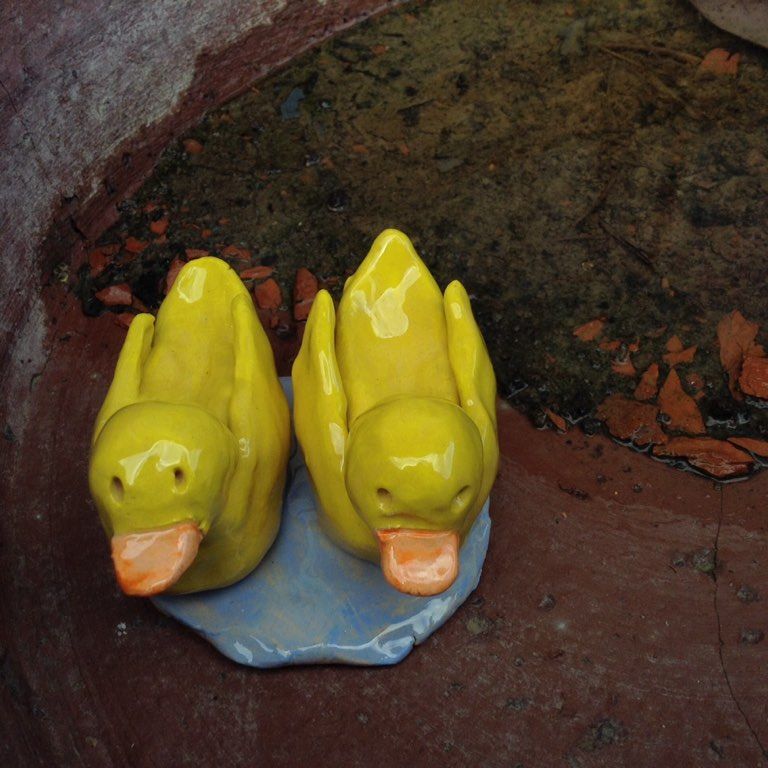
(126,383)
(260,421)
(320,416)
(476,382)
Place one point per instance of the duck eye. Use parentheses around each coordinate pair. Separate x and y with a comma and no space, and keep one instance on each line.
(179,479)
(385,498)
(461,498)
(116,489)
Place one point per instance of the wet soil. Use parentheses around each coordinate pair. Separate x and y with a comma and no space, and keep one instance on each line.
(567,161)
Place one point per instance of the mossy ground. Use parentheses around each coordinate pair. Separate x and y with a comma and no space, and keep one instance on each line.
(565,160)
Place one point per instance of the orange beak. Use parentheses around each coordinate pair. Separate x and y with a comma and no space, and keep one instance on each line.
(419,562)
(149,562)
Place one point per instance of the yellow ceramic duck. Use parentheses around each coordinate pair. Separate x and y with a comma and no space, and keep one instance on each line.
(394,407)
(190,448)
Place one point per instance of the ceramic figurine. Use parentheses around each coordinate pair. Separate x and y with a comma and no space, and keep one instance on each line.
(394,407)
(190,448)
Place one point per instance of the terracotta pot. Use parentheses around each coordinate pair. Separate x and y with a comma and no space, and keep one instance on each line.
(621,615)
(90,95)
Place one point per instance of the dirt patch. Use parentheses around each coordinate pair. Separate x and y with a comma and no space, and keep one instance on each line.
(570,162)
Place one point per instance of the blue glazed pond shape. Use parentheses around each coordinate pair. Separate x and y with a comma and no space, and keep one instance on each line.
(309,602)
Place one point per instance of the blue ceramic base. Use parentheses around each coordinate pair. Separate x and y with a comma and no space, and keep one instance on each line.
(309,602)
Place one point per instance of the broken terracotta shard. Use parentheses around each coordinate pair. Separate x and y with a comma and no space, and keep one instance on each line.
(236,252)
(649,383)
(268,295)
(556,419)
(628,419)
(736,336)
(304,292)
(715,457)
(751,444)
(256,273)
(134,245)
(680,407)
(159,226)
(115,295)
(680,356)
(624,367)
(719,61)
(754,377)
(589,331)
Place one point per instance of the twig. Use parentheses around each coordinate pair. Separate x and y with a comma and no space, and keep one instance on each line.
(584,236)
(599,200)
(417,105)
(630,247)
(659,50)
(654,80)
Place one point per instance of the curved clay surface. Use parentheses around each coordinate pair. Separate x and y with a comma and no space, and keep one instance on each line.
(621,613)
(89,96)
(745,18)
(614,623)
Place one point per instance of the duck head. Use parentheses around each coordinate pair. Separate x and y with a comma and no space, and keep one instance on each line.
(413,470)
(159,474)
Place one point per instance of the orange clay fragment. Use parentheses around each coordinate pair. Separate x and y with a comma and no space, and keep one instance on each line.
(419,562)
(134,245)
(192,146)
(589,331)
(758,447)
(720,62)
(623,367)
(754,377)
(649,383)
(268,295)
(304,292)
(159,226)
(681,356)
(115,295)
(684,414)
(235,252)
(627,419)
(148,563)
(674,344)
(736,336)
(556,419)
(715,457)
(99,258)
(256,273)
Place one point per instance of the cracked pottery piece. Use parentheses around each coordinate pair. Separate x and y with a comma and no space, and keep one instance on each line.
(190,448)
(395,409)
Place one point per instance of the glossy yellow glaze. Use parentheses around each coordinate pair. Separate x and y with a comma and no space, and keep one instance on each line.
(395,404)
(195,428)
